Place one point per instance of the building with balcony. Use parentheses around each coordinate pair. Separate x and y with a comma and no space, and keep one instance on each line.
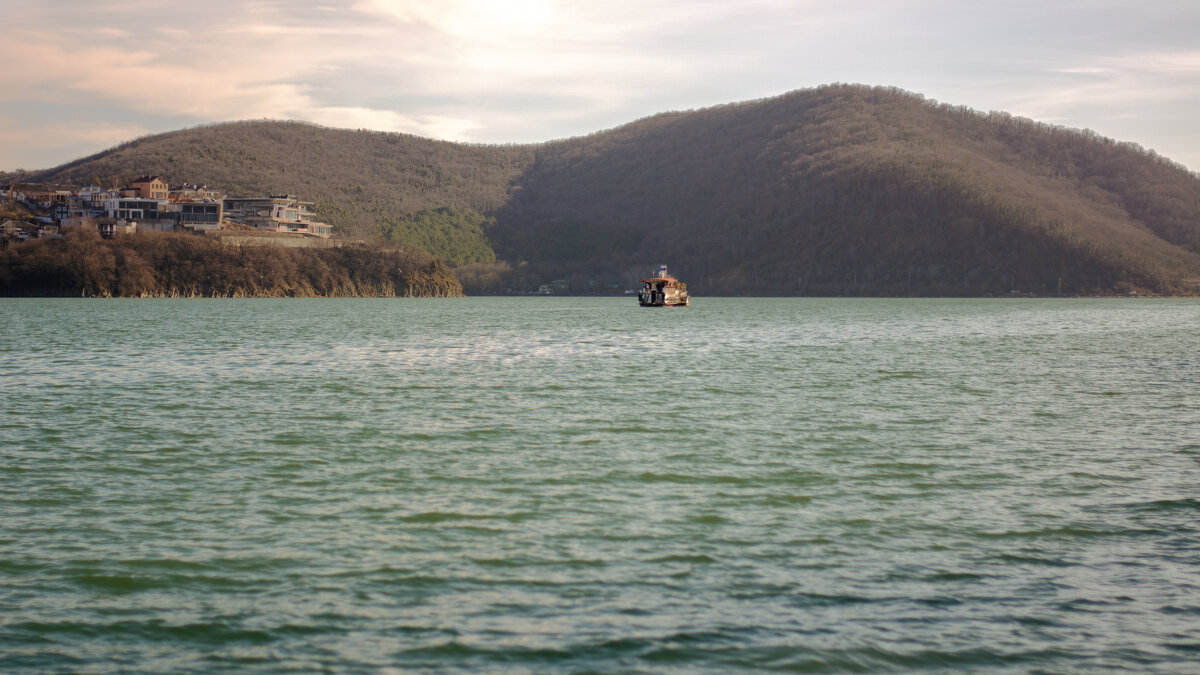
(278,213)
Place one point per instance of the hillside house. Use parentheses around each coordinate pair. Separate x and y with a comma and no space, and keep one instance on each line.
(149,204)
(278,213)
(73,221)
(40,195)
(150,187)
(54,212)
(89,192)
(198,215)
(134,208)
(108,227)
(94,196)
(190,192)
(196,207)
(17,230)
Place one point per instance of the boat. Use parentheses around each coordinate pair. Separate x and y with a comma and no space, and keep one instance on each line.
(663,290)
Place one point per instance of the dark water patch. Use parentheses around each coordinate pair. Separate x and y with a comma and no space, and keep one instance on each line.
(1182,611)
(692,559)
(815,600)
(458,654)
(487,434)
(1185,647)
(955,577)
(436,517)
(416,436)
(446,633)
(111,583)
(886,375)
(916,421)
(53,498)
(329,416)
(204,632)
(718,479)
(292,439)
(1068,532)
(1185,504)
(254,385)
(898,658)
(1037,621)
(693,647)
(1038,560)
(905,468)
(18,567)
(722,391)
(1089,605)
(1098,477)
(783,501)
(790,476)
(116,581)
(629,429)
(941,601)
(521,562)
(707,519)
(958,660)
(207,633)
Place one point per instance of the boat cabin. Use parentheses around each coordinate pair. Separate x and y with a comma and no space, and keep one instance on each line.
(663,290)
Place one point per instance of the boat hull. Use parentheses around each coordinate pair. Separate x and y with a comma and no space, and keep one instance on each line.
(663,290)
(664,303)
(655,299)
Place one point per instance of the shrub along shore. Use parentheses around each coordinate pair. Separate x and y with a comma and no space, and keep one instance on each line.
(82,264)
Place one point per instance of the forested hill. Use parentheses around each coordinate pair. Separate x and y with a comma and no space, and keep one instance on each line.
(356,179)
(858,190)
(836,190)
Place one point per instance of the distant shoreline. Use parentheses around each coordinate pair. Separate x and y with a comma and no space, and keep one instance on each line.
(82,264)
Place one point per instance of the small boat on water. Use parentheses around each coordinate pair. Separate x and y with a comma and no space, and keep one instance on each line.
(663,290)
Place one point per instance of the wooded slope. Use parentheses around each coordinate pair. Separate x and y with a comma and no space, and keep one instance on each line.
(185,265)
(837,190)
(859,190)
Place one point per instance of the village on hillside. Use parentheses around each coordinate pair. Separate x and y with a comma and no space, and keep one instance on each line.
(150,204)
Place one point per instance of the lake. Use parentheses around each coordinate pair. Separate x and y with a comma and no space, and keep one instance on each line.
(527,485)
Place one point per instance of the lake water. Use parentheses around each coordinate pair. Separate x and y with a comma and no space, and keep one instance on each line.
(528,485)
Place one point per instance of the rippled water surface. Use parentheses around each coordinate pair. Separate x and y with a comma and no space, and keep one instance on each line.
(581,485)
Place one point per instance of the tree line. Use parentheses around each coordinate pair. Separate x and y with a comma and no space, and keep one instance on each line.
(186,265)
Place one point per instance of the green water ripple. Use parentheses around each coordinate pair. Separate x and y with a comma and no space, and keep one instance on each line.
(524,485)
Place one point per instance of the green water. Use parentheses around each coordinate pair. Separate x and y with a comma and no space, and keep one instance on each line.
(581,485)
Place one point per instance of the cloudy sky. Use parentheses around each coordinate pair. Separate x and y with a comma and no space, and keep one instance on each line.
(78,77)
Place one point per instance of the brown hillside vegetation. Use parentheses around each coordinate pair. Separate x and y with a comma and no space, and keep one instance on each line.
(875,191)
(356,179)
(185,265)
(837,190)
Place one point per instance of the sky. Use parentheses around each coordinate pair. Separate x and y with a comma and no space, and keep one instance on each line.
(79,77)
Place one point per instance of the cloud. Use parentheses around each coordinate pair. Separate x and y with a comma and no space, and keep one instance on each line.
(430,126)
(1116,85)
(473,19)
(27,143)
(521,70)
(141,80)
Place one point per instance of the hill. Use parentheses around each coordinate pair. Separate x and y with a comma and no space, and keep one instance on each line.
(836,190)
(356,179)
